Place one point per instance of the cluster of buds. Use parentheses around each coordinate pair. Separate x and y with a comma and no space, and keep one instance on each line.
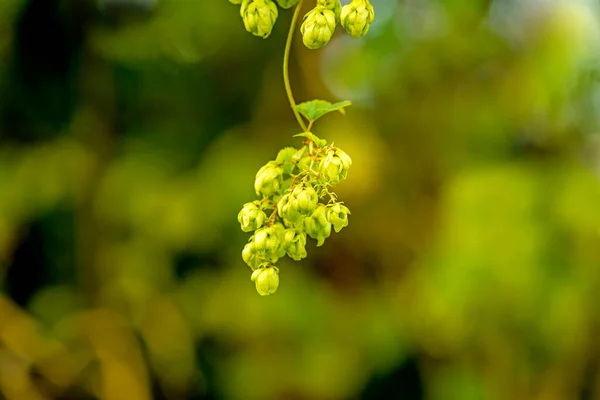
(356,17)
(293,189)
(319,24)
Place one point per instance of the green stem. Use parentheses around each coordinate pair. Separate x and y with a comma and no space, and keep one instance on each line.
(286,62)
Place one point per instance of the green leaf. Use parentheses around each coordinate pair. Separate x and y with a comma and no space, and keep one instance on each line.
(319,142)
(299,154)
(315,109)
(285,186)
(285,157)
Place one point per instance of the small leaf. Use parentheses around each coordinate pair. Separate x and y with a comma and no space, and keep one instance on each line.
(299,154)
(315,109)
(285,186)
(313,137)
(286,154)
(285,157)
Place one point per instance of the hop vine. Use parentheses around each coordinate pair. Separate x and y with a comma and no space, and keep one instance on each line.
(295,190)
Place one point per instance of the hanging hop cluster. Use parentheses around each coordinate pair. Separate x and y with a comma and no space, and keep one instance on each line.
(293,188)
(319,24)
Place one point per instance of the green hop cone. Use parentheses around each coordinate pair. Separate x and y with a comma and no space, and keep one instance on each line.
(287,3)
(337,215)
(357,17)
(251,217)
(334,167)
(268,179)
(288,212)
(235,1)
(259,16)
(304,200)
(266,280)
(249,255)
(333,5)
(294,243)
(317,226)
(267,242)
(318,27)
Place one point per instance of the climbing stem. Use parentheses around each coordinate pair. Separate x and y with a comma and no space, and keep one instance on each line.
(286,62)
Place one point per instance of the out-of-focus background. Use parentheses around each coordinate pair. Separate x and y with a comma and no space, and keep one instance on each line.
(130,134)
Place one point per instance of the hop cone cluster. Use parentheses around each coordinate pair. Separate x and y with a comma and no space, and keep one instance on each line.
(259,17)
(295,203)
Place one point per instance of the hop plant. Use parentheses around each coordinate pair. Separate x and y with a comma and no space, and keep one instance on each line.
(296,189)
(304,199)
(259,16)
(266,280)
(251,217)
(356,17)
(337,215)
(295,198)
(318,27)
(317,226)
(268,179)
(334,167)
(319,24)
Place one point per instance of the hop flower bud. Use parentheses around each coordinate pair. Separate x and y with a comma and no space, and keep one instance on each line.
(357,17)
(287,3)
(294,243)
(288,212)
(334,167)
(251,217)
(337,215)
(266,280)
(333,5)
(268,179)
(249,254)
(235,1)
(267,242)
(318,27)
(304,200)
(317,226)
(259,16)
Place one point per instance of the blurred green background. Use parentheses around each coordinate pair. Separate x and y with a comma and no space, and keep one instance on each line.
(130,134)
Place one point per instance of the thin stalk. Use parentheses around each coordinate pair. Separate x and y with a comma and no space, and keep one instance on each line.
(286,62)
